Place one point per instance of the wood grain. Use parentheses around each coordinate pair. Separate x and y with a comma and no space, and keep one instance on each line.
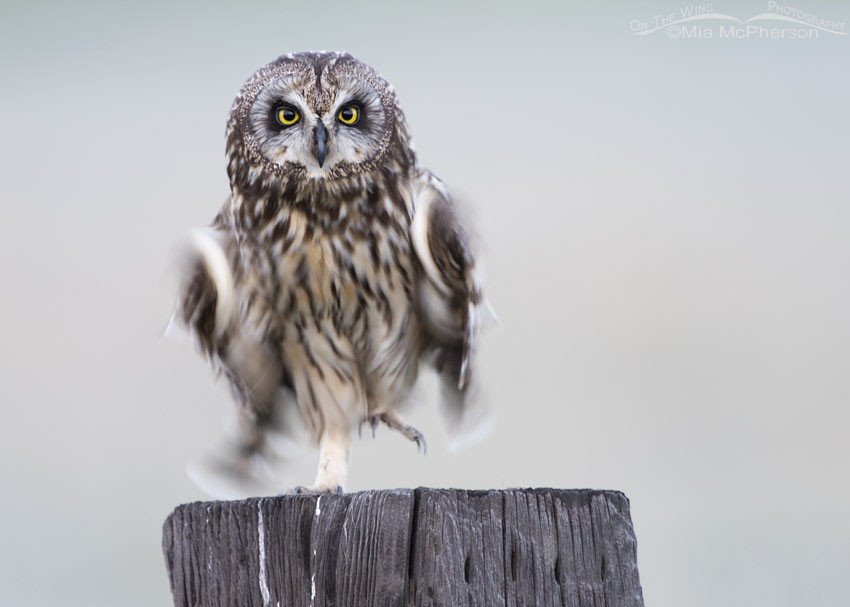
(429,547)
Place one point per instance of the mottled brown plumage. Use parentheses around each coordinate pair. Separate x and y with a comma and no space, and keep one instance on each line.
(336,265)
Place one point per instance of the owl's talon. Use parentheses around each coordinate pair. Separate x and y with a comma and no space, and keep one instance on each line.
(398,424)
(373,422)
(417,437)
(302,490)
(298,490)
(420,443)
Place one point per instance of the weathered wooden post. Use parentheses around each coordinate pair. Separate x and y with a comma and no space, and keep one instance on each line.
(448,547)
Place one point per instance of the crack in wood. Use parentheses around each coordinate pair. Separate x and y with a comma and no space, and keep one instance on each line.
(411,550)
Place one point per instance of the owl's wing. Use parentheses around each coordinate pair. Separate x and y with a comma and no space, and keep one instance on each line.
(450,299)
(207,308)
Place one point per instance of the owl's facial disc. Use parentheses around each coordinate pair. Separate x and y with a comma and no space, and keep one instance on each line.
(293,125)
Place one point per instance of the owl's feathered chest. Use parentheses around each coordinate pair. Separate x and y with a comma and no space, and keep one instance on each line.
(351,266)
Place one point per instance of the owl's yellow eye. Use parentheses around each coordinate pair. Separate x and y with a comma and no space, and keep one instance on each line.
(349,115)
(287,116)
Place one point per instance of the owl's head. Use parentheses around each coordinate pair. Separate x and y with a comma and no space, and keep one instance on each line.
(317,116)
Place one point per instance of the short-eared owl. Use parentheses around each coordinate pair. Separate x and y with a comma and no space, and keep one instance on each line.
(337,264)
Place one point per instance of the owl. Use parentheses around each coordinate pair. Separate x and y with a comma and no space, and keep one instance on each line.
(336,268)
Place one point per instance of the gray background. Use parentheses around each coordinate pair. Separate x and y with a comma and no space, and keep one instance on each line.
(666,236)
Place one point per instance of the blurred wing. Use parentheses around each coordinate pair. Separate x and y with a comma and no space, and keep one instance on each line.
(208,308)
(450,298)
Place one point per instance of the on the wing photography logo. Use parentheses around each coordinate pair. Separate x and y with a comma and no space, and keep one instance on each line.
(700,21)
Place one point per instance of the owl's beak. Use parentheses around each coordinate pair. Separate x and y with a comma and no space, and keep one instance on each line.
(320,143)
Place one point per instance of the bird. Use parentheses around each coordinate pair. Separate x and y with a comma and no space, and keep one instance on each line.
(337,267)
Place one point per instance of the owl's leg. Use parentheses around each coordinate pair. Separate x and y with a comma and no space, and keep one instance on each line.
(396,422)
(333,464)
(333,461)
